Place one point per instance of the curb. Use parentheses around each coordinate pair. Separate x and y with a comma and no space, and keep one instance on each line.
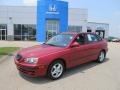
(5,57)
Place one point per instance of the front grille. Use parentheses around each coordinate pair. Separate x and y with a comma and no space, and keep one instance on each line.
(30,72)
(18,57)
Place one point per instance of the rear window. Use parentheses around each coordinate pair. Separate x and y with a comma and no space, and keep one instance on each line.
(99,38)
(93,38)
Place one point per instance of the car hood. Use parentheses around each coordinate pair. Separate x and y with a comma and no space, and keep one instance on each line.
(39,50)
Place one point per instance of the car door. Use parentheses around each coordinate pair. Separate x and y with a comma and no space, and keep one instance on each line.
(80,54)
(94,45)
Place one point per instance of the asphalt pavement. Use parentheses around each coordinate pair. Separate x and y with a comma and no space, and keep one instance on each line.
(90,76)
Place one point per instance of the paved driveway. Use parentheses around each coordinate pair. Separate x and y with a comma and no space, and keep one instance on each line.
(90,76)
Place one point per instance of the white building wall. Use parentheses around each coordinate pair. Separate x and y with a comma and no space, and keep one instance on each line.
(11,15)
(94,26)
(78,17)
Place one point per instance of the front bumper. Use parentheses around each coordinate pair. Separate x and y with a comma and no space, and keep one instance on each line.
(32,71)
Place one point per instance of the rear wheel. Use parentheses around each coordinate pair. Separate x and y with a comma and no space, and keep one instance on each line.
(101,57)
(56,70)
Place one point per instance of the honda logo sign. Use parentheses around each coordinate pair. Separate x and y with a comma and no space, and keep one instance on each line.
(52,8)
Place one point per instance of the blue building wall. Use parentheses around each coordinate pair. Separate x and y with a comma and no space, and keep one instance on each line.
(53,10)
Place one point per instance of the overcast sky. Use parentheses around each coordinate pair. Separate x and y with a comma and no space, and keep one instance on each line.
(106,11)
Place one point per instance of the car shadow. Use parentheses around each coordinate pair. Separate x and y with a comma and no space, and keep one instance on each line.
(69,72)
(82,68)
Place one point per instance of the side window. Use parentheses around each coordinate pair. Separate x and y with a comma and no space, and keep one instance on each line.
(81,39)
(92,38)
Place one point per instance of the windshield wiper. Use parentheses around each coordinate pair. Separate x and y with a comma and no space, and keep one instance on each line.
(50,44)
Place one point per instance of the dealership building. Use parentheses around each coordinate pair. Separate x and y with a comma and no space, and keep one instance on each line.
(48,18)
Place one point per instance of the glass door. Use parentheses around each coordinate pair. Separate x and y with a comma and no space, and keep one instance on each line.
(52,28)
(0,34)
(3,34)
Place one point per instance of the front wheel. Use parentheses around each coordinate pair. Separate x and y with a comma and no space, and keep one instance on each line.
(55,70)
(101,57)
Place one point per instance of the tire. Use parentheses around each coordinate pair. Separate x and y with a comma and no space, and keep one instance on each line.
(56,70)
(101,57)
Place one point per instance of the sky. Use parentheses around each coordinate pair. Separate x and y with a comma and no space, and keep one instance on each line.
(104,11)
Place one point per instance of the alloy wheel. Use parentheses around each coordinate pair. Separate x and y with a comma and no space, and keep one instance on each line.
(57,70)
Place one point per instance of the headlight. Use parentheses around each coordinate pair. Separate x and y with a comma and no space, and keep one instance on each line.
(31,60)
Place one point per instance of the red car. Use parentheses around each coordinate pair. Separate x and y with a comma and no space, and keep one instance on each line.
(61,52)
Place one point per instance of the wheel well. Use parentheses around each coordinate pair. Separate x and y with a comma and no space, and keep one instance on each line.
(59,59)
(104,51)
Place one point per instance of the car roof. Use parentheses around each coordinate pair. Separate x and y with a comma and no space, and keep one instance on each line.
(76,33)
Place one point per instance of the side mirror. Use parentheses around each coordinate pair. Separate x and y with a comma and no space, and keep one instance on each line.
(75,44)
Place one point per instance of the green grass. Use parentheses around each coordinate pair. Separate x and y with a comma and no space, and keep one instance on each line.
(7,50)
(0,56)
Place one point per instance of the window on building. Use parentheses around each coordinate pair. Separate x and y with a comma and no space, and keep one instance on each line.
(3,31)
(101,32)
(3,26)
(24,32)
(32,32)
(75,28)
(89,29)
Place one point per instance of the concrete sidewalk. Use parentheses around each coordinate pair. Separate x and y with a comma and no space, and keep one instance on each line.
(22,44)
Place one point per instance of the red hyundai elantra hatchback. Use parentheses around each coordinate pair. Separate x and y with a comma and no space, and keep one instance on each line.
(61,52)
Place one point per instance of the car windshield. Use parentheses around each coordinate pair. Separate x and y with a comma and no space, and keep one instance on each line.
(61,40)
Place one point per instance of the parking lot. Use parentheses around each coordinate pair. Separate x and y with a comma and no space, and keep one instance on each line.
(90,76)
